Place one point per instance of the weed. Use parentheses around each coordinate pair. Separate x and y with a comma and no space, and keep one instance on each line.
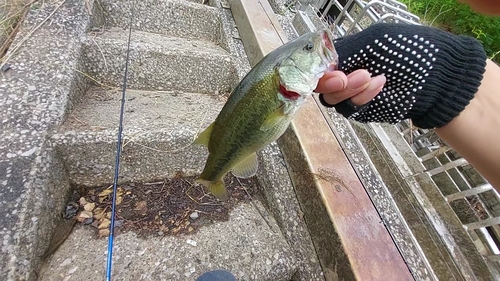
(11,15)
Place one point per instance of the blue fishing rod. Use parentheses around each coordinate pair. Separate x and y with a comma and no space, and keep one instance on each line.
(109,262)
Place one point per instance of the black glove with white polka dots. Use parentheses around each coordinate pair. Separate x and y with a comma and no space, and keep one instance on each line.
(431,75)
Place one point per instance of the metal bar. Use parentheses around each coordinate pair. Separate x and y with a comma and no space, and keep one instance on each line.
(397,3)
(327,9)
(447,166)
(435,153)
(410,20)
(341,19)
(319,4)
(401,8)
(457,175)
(490,244)
(374,17)
(493,257)
(312,14)
(340,30)
(343,12)
(353,23)
(377,2)
(433,138)
(334,4)
(483,223)
(473,191)
(387,5)
(306,21)
(371,13)
(407,131)
(424,135)
(360,16)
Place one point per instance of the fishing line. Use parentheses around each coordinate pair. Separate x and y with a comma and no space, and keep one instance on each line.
(109,261)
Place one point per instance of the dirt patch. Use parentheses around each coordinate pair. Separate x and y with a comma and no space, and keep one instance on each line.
(170,207)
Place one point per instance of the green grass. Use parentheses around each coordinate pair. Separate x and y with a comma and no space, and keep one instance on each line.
(11,14)
(459,19)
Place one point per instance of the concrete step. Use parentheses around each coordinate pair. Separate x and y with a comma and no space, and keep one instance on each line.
(158,62)
(244,245)
(179,18)
(158,129)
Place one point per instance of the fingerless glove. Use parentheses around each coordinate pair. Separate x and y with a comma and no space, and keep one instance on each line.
(431,74)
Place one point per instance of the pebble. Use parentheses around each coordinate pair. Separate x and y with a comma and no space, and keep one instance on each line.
(71,210)
(65,262)
(73,270)
(118,223)
(194,215)
(5,67)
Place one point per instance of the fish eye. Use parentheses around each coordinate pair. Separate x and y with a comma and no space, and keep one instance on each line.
(309,46)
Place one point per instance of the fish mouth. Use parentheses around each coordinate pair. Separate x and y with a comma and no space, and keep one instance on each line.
(327,52)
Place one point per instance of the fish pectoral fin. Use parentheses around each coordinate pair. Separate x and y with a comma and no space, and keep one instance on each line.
(204,136)
(246,168)
(274,118)
(217,188)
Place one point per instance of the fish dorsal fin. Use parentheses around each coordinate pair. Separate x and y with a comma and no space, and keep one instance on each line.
(274,118)
(204,137)
(246,168)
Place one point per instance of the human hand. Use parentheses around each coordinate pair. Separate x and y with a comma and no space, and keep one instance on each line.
(358,86)
(430,75)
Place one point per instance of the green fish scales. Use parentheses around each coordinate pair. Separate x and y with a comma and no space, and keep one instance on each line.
(262,106)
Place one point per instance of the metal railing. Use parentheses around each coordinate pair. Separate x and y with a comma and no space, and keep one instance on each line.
(461,186)
(354,15)
(460,182)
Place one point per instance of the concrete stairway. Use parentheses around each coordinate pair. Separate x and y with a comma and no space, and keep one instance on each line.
(177,86)
(179,77)
(184,61)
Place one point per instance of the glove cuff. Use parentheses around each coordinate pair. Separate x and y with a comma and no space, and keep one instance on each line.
(456,80)
(345,107)
(323,102)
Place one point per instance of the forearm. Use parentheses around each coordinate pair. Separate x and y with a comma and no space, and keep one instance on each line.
(475,133)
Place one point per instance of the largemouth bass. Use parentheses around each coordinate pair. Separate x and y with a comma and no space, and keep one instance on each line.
(262,106)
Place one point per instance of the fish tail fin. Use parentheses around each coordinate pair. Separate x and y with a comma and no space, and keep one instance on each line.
(217,188)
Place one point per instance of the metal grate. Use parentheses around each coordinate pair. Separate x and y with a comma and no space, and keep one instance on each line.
(461,185)
(354,15)
(473,199)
